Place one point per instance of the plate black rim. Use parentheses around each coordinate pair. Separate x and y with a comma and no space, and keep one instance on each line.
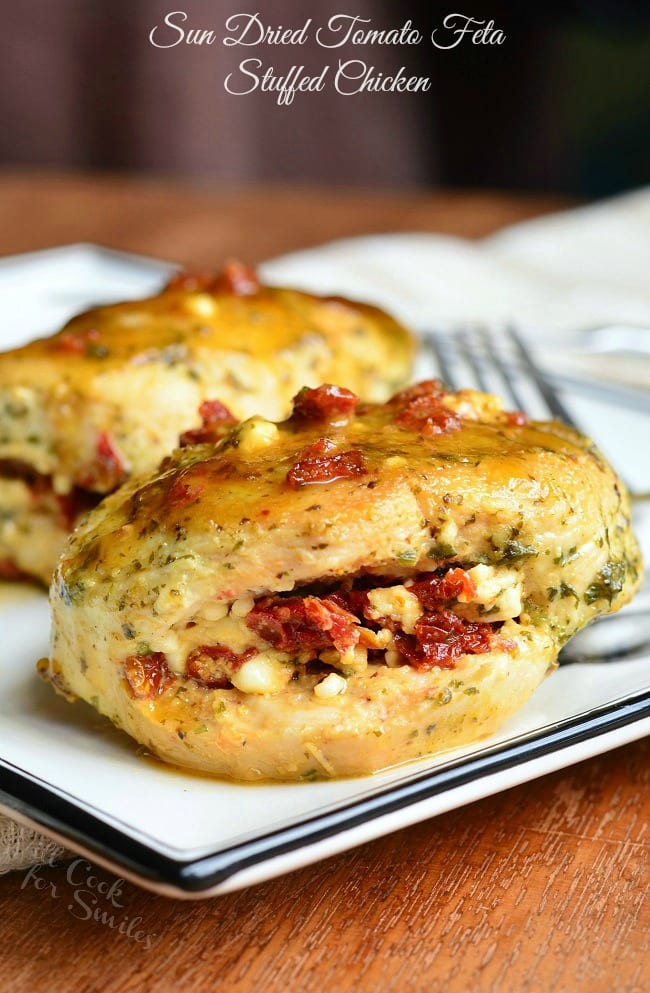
(64,818)
(61,816)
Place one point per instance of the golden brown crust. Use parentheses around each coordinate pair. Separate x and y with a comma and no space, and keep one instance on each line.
(110,393)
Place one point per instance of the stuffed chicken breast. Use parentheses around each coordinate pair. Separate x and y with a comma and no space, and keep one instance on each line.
(351,588)
(109,394)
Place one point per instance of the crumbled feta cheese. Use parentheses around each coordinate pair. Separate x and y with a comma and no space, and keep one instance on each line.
(202,304)
(62,484)
(355,659)
(242,606)
(261,675)
(332,685)
(330,656)
(392,657)
(255,434)
(498,591)
(447,534)
(133,318)
(398,603)
(214,611)
(472,405)
(377,639)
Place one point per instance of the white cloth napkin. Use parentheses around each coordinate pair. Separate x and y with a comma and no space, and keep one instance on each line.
(579,279)
(560,275)
(576,269)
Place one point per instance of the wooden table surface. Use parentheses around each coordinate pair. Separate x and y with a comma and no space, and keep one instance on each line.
(540,888)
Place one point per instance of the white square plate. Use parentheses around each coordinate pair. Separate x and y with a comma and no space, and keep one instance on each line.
(68,772)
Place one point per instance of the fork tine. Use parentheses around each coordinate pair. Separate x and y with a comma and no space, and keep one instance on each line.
(474,352)
(479,353)
(474,357)
(501,367)
(440,347)
(549,394)
(552,398)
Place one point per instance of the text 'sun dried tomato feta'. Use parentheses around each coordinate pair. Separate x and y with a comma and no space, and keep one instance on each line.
(303,624)
(440,638)
(324,403)
(317,465)
(212,665)
(147,675)
(217,421)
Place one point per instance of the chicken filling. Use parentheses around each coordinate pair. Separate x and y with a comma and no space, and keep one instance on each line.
(428,620)
(63,507)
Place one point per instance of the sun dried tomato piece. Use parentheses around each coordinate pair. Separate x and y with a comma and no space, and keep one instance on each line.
(235,277)
(107,470)
(315,465)
(17,469)
(73,504)
(215,412)
(191,282)
(41,491)
(324,403)
(432,590)
(421,408)
(278,622)
(186,488)
(109,458)
(517,418)
(11,572)
(217,420)
(147,675)
(85,341)
(318,448)
(213,665)
(70,342)
(427,415)
(303,624)
(334,621)
(354,601)
(440,638)
(239,279)
(425,388)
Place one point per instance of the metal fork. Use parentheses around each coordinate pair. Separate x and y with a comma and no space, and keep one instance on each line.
(474,357)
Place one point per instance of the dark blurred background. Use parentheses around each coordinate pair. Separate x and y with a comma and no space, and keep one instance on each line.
(562,106)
